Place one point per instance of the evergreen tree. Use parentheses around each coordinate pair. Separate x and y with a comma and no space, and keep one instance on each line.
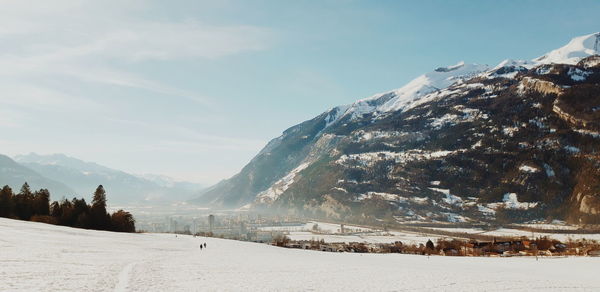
(99,218)
(6,202)
(55,209)
(24,203)
(66,211)
(41,202)
(83,221)
(75,213)
(79,216)
(25,190)
(99,199)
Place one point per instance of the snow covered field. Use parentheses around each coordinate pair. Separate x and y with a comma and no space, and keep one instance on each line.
(321,227)
(330,232)
(509,232)
(371,237)
(40,257)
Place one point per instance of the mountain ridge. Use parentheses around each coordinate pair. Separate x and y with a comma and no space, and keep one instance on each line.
(15,175)
(122,187)
(308,167)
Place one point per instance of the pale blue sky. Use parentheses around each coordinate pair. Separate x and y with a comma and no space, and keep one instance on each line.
(194,89)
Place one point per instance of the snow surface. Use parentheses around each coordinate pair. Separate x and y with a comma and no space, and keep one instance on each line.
(430,82)
(510,131)
(334,228)
(371,237)
(575,50)
(588,132)
(578,74)
(515,63)
(558,236)
(279,187)
(486,210)
(453,217)
(549,170)
(511,201)
(408,95)
(513,67)
(450,198)
(550,226)
(421,89)
(322,227)
(528,168)
(511,232)
(370,135)
(572,149)
(384,196)
(41,257)
(368,158)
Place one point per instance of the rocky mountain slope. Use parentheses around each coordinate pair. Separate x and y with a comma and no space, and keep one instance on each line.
(465,143)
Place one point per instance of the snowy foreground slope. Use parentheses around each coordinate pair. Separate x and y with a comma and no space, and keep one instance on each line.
(40,257)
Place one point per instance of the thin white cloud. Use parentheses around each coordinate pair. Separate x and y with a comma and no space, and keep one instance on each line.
(74,71)
(84,40)
(140,41)
(29,96)
(185,139)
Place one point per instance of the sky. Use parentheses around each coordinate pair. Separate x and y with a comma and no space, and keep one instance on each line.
(194,89)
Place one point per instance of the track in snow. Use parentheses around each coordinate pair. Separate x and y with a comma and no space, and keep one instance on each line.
(124,278)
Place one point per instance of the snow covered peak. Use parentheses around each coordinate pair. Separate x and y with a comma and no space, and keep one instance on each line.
(515,63)
(577,49)
(398,99)
(450,68)
(413,92)
(509,68)
(59,159)
(439,79)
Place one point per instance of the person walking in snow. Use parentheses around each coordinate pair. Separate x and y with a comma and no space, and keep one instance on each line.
(205,245)
(201,247)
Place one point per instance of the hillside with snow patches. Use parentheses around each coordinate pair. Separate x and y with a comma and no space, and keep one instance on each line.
(513,143)
(41,257)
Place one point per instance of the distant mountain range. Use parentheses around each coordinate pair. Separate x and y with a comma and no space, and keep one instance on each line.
(67,176)
(15,174)
(466,143)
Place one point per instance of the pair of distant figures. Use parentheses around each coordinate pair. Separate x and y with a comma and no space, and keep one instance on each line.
(202,245)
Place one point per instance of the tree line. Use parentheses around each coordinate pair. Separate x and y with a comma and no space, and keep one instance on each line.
(35,206)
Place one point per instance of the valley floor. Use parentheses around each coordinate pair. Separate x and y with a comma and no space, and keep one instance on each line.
(40,257)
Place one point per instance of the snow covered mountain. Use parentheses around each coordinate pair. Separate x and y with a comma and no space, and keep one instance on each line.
(464,143)
(577,49)
(15,175)
(412,93)
(121,187)
(169,182)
